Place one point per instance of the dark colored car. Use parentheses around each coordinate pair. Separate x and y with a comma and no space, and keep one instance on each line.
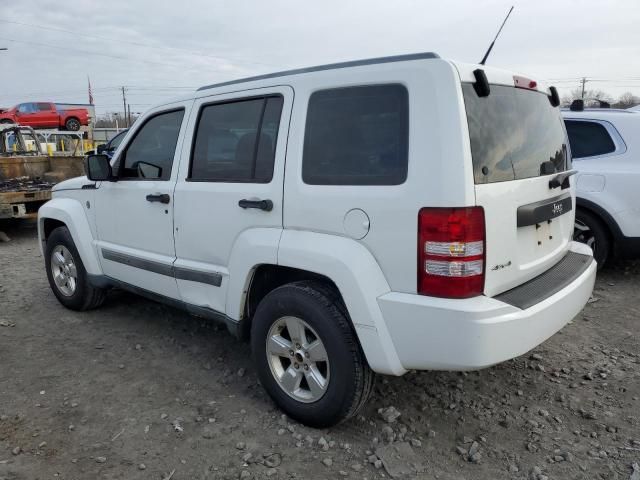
(111,146)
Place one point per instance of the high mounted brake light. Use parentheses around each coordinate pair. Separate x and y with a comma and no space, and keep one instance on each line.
(451,252)
(524,82)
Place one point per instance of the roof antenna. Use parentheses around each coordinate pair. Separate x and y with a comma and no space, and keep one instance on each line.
(484,59)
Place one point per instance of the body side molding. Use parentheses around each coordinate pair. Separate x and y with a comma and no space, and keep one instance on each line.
(181,273)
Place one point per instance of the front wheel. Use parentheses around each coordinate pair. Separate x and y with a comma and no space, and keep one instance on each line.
(72,124)
(66,273)
(307,355)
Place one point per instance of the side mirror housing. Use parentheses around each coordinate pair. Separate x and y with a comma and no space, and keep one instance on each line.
(98,168)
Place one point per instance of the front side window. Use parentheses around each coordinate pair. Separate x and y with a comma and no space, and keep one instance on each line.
(26,108)
(149,156)
(357,136)
(236,141)
(588,139)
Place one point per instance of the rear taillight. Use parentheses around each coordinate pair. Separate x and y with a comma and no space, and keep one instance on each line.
(451,252)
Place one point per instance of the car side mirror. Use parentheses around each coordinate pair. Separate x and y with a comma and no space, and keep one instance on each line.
(98,168)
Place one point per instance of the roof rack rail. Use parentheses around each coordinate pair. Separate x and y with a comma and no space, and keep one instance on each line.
(331,66)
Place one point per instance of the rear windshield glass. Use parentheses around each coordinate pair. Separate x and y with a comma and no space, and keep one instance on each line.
(513,132)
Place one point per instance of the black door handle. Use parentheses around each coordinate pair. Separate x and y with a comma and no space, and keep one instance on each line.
(159,197)
(266,205)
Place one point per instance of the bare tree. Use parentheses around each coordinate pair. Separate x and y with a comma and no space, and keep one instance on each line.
(627,100)
(590,97)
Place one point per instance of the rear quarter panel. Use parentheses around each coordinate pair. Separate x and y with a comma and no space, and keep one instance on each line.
(439,169)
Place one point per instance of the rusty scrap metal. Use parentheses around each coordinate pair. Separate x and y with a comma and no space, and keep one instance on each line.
(24,184)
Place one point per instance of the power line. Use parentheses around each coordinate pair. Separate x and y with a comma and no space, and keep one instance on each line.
(58,92)
(86,52)
(139,44)
(115,89)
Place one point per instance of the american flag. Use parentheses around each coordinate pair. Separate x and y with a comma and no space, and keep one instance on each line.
(90,92)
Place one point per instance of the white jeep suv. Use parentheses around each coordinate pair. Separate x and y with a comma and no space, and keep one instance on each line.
(371,216)
(604,145)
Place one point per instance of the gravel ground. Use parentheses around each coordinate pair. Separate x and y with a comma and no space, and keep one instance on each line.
(139,390)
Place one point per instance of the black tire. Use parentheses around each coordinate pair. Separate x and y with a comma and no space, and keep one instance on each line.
(6,121)
(591,230)
(85,296)
(72,124)
(350,379)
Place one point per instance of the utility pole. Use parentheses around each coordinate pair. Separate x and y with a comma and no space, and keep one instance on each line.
(129,115)
(583,81)
(124,105)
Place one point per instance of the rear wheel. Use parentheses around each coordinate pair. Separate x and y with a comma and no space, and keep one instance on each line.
(307,355)
(72,124)
(590,230)
(66,273)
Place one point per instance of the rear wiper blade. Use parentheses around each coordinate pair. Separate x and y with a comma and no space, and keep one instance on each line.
(562,179)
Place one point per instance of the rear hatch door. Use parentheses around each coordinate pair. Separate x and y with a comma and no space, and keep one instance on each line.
(519,152)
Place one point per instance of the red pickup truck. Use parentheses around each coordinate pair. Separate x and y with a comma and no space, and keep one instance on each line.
(45,115)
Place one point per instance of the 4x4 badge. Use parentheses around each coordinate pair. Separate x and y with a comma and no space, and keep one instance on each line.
(500,266)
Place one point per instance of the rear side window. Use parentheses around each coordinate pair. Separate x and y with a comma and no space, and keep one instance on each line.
(149,156)
(44,107)
(588,139)
(236,141)
(357,136)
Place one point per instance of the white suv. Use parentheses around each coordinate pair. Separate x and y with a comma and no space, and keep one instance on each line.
(604,147)
(372,216)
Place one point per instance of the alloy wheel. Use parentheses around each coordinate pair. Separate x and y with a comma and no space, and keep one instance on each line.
(582,233)
(63,268)
(298,359)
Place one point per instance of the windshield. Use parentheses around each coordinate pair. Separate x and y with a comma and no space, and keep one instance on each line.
(513,132)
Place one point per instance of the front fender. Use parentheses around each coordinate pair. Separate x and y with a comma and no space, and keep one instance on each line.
(360,281)
(70,212)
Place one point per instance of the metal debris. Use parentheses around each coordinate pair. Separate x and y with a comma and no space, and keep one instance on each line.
(24,184)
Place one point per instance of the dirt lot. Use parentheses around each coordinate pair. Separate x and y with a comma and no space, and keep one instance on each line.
(139,390)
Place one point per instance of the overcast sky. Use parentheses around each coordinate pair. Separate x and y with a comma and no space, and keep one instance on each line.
(158,49)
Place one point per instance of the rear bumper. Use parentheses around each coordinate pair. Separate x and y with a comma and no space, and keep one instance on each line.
(442,334)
